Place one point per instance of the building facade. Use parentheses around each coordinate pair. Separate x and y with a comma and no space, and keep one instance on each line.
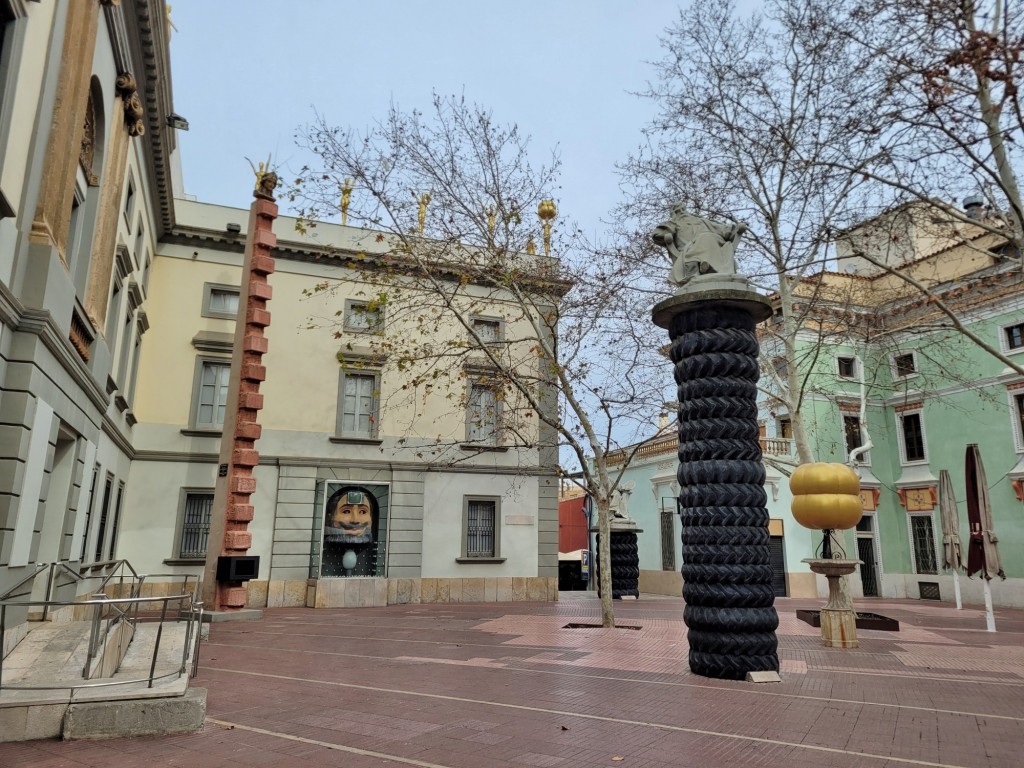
(117,306)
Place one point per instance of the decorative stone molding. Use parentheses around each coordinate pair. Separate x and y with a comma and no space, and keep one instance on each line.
(127,89)
(918,499)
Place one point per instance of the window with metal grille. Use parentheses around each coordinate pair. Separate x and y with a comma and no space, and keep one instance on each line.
(358,405)
(923,533)
(913,437)
(212,397)
(481,527)
(668,535)
(195,525)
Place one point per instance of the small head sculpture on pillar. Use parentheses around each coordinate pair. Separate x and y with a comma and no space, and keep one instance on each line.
(698,246)
(266,180)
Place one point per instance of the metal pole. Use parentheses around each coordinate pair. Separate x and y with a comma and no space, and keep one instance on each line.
(156,645)
(94,633)
(3,631)
(49,593)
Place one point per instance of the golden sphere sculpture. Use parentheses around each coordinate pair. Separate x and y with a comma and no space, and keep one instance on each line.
(546,210)
(826,496)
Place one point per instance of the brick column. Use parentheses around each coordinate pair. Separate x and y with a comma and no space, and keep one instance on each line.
(232,507)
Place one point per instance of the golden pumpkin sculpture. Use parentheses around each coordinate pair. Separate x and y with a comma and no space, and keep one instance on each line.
(826,496)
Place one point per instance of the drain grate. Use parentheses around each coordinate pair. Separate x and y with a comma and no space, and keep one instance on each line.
(578,625)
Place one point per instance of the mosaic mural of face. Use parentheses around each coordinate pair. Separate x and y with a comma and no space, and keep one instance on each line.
(350,521)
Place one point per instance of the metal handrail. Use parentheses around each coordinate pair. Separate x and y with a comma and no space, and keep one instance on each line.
(123,606)
(49,583)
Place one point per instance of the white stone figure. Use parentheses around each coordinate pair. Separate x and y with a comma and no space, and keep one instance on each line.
(620,501)
(698,246)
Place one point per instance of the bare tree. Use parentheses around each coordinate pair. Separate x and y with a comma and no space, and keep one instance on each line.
(750,123)
(477,311)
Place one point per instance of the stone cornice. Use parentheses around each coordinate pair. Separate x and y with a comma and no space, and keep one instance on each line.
(145,23)
(322,461)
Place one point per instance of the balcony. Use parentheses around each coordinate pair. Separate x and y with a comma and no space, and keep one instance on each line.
(666,445)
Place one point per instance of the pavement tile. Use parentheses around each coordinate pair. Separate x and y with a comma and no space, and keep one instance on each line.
(508,686)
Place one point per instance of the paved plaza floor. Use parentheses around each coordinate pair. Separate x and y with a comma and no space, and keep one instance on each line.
(508,685)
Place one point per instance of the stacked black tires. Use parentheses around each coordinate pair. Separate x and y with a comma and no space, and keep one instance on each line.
(727,575)
(625,563)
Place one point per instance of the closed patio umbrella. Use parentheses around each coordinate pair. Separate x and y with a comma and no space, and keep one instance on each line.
(982,553)
(952,553)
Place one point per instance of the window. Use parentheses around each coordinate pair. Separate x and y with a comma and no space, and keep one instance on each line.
(912,434)
(129,201)
(922,532)
(482,414)
(88,511)
(211,393)
(904,365)
(220,300)
(851,429)
(117,522)
(358,404)
(847,367)
(1013,336)
(489,330)
(785,428)
(669,509)
(195,524)
(1017,401)
(363,317)
(480,525)
(101,533)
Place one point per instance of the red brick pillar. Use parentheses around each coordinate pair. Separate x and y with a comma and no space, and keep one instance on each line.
(232,507)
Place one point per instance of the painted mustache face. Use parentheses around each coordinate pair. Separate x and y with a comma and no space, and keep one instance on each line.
(354,519)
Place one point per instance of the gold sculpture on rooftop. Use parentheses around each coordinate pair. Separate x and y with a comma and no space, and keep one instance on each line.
(346,198)
(422,215)
(547,211)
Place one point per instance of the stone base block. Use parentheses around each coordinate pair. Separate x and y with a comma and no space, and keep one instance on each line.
(378,592)
(839,629)
(245,614)
(139,717)
(39,721)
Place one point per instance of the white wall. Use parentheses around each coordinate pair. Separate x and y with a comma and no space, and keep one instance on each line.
(442,524)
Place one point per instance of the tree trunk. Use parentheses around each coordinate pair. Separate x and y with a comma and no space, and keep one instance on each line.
(604,561)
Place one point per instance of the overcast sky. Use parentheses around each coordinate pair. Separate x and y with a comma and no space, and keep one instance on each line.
(248,72)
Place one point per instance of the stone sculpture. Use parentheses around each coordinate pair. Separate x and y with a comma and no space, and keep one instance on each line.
(698,246)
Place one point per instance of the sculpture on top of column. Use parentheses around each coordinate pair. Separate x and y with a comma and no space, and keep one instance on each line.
(698,246)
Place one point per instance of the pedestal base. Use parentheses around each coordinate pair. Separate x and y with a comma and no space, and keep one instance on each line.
(838,619)
(839,628)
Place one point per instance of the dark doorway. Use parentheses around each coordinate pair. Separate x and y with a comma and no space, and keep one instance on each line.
(868,569)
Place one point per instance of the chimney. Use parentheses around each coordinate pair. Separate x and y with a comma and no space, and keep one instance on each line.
(974,207)
(662,420)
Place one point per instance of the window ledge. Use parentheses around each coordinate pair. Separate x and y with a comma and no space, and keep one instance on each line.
(202,432)
(184,561)
(488,560)
(484,448)
(355,440)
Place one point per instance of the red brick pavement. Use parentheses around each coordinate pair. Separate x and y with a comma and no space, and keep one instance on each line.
(507,686)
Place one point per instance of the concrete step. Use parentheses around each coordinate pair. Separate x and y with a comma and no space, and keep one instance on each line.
(61,702)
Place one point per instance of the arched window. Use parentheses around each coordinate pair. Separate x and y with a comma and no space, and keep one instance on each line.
(85,202)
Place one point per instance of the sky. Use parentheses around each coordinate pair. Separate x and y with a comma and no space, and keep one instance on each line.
(247,73)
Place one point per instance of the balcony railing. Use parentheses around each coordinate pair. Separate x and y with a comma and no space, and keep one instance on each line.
(770,446)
